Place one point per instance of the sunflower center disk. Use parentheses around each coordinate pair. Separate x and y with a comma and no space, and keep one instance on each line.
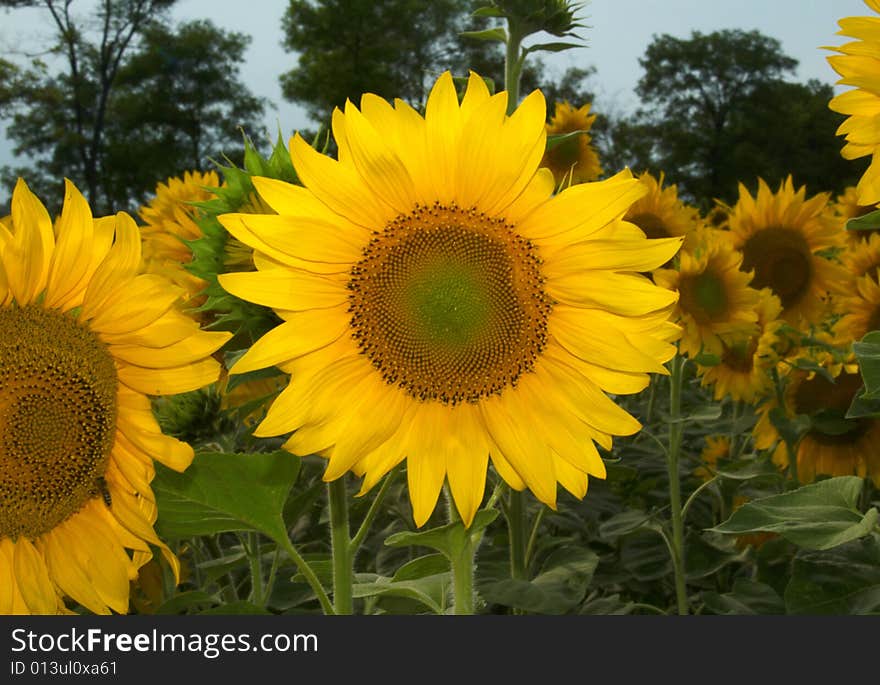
(57,418)
(781,260)
(704,296)
(449,304)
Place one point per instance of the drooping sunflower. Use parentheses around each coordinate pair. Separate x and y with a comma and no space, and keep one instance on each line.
(573,160)
(659,212)
(834,445)
(86,339)
(782,236)
(715,300)
(858,64)
(442,306)
(170,220)
(743,372)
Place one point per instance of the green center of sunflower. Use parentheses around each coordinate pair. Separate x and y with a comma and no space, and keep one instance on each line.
(449,304)
(652,225)
(57,419)
(703,296)
(782,261)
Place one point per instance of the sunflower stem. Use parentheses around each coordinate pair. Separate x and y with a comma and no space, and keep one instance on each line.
(513,65)
(309,574)
(364,528)
(516,527)
(340,541)
(461,562)
(676,377)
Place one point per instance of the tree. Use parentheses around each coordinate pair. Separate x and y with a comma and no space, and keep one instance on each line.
(717,110)
(130,105)
(69,109)
(178,103)
(394,49)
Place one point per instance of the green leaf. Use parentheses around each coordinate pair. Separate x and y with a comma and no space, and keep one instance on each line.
(225,492)
(748,469)
(497,34)
(430,591)
(625,522)
(810,365)
(845,581)
(817,516)
(866,222)
(446,539)
(553,47)
(747,598)
(557,139)
(867,351)
(790,428)
(559,588)
(182,602)
(862,408)
(644,554)
(428,565)
(710,412)
(487,12)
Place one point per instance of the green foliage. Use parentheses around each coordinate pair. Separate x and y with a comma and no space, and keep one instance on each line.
(818,516)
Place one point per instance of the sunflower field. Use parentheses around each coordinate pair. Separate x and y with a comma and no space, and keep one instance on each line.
(443,358)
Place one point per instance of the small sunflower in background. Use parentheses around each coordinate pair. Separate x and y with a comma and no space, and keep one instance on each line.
(718,216)
(784,238)
(846,206)
(743,370)
(862,257)
(659,212)
(442,306)
(861,310)
(574,159)
(858,65)
(170,223)
(717,449)
(715,301)
(833,445)
(87,339)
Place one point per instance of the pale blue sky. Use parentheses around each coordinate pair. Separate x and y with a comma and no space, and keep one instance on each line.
(618,34)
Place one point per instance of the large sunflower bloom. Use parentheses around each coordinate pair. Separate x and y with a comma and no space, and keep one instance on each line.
(781,236)
(659,212)
(859,66)
(171,221)
(743,372)
(441,306)
(574,160)
(715,300)
(86,339)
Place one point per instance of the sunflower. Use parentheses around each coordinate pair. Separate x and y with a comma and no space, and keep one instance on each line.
(659,213)
(86,339)
(862,311)
(859,66)
(743,371)
(717,449)
(171,221)
(833,445)
(715,300)
(862,257)
(442,306)
(573,160)
(781,236)
(718,217)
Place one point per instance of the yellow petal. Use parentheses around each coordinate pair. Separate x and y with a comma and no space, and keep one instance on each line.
(287,289)
(169,381)
(33,580)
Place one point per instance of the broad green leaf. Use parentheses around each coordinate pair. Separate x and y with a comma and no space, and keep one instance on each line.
(844,581)
(747,598)
(430,591)
(645,555)
(866,222)
(611,605)
(446,539)
(559,588)
(705,557)
(225,492)
(625,522)
(428,565)
(863,408)
(182,602)
(748,469)
(867,351)
(817,516)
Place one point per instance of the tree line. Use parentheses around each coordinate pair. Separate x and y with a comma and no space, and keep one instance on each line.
(128,97)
